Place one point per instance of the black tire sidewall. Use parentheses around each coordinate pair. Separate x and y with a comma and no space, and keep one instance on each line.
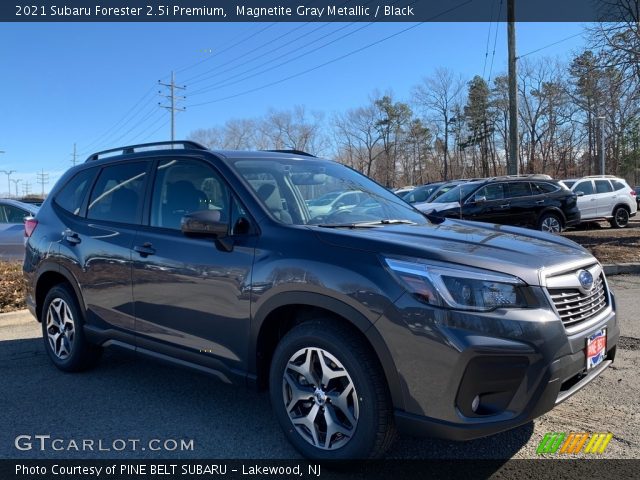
(614,220)
(364,438)
(80,346)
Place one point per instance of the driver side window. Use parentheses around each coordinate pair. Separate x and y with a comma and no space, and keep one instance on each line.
(185,186)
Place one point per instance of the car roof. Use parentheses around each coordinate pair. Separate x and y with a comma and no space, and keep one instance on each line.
(16,203)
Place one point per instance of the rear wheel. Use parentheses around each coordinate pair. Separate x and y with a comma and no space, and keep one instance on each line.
(329,394)
(550,222)
(64,339)
(620,218)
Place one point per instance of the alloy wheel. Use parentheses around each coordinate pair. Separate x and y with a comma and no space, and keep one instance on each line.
(320,398)
(622,217)
(550,224)
(60,328)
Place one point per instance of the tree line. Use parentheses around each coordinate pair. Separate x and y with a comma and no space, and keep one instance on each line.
(452,127)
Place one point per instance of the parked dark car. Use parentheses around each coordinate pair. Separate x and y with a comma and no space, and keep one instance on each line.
(360,321)
(538,203)
(422,193)
(12,216)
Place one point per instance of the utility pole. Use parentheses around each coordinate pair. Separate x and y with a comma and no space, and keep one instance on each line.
(16,182)
(601,120)
(513,167)
(74,155)
(43,179)
(26,189)
(8,174)
(172,98)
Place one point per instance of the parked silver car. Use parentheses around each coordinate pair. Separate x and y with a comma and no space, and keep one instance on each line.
(604,198)
(12,216)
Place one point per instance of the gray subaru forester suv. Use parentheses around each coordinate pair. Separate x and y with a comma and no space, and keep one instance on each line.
(361,320)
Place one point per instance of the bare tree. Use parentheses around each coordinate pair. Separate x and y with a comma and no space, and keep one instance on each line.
(437,94)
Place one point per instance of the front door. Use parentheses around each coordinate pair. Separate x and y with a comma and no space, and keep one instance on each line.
(191,294)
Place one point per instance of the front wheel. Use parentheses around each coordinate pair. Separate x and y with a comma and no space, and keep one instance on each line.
(550,222)
(329,394)
(620,218)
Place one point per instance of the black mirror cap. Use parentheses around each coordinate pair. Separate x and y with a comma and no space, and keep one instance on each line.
(204,222)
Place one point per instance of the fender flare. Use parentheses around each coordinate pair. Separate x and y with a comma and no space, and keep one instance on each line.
(341,309)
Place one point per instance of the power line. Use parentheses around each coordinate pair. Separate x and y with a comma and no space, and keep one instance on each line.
(113,129)
(495,41)
(289,77)
(226,82)
(486,51)
(550,45)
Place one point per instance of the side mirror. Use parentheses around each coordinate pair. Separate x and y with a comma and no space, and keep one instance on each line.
(204,222)
(579,194)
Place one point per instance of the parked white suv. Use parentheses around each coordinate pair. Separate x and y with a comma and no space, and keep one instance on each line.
(604,198)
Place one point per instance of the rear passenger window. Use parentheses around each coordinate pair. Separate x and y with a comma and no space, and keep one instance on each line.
(544,187)
(118,194)
(73,193)
(603,186)
(617,185)
(519,189)
(584,187)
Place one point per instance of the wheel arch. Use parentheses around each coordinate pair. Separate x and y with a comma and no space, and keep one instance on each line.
(283,312)
(555,211)
(48,277)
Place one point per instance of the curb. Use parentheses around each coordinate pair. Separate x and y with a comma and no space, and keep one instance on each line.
(621,268)
(14,317)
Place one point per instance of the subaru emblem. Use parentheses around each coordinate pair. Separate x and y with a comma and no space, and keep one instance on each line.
(586,280)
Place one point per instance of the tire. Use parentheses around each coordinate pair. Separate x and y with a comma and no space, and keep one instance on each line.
(620,218)
(354,402)
(550,222)
(62,333)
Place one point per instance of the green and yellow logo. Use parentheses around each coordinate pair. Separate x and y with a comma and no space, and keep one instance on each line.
(591,443)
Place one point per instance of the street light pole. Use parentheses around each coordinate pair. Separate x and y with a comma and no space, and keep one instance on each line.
(8,174)
(601,119)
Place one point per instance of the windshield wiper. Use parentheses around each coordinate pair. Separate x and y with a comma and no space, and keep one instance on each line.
(367,224)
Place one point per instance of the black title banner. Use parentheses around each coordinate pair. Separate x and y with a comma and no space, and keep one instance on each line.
(316,10)
(542,469)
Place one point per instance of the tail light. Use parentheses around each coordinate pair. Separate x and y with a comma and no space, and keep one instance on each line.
(30,225)
(633,193)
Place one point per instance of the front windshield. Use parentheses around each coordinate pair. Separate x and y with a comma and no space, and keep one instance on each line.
(318,192)
(457,193)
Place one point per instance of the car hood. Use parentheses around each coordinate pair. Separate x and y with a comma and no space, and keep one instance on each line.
(427,207)
(513,250)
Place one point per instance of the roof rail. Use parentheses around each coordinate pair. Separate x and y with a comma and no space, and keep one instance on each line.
(295,152)
(185,144)
(600,176)
(538,176)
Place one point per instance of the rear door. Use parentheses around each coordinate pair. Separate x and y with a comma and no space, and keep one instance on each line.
(605,198)
(98,236)
(191,295)
(587,202)
(522,207)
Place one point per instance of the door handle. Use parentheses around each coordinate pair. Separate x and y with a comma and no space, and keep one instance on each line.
(145,249)
(540,202)
(505,205)
(72,237)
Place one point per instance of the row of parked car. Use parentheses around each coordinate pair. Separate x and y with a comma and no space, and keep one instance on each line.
(535,201)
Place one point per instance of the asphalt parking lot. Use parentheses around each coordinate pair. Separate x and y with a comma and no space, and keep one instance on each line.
(132,398)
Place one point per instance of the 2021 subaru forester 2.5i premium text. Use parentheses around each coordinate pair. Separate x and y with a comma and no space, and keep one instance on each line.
(361,321)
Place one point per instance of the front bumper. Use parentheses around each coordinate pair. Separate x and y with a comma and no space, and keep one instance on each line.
(519,367)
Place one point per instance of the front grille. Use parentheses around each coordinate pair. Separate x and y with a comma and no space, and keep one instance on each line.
(576,307)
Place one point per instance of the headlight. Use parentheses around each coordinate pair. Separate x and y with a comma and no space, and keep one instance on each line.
(472,289)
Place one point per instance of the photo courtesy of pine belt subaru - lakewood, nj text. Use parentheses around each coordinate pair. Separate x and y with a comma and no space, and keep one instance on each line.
(361,320)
